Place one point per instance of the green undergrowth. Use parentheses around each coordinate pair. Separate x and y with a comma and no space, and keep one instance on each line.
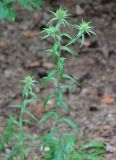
(8,11)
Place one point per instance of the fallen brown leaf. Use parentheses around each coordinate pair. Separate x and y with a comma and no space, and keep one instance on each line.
(34,64)
(107,99)
(79,10)
(30,34)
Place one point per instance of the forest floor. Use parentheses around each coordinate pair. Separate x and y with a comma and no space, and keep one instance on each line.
(22,52)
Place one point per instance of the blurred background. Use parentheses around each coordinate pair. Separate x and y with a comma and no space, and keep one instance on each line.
(22,53)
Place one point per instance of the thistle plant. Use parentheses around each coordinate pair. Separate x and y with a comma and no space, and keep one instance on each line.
(14,132)
(60,144)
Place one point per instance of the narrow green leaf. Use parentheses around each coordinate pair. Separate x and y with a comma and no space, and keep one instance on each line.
(92,32)
(65,86)
(66,35)
(48,78)
(27,121)
(52,73)
(72,41)
(32,101)
(16,106)
(48,115)
(93,144)
(66,107)
(71,124)
(65,48)
(53,19)
(49,98)
(55,48)
(59,97)
(69,143)
(30,114)
(50,50)
(61,64)
(69,77)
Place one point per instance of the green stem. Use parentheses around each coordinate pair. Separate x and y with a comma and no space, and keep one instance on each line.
(20,133)
(57,86)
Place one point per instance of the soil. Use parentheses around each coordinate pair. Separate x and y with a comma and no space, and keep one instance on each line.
(22,52)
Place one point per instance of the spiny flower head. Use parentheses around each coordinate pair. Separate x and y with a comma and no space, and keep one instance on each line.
(28,81)
(28,86)
(85,27)
(61,16)
(50,31)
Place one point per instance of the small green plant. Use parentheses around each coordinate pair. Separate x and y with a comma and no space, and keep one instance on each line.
(8,133)
(7,9)
(59,144)
(14,134)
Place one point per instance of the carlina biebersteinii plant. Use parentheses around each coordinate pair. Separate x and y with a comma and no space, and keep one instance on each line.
(60,144)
